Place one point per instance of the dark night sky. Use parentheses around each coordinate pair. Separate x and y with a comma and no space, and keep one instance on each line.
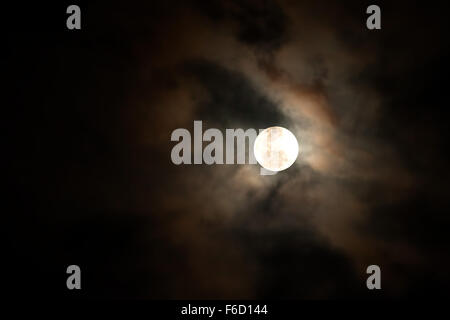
(88,121)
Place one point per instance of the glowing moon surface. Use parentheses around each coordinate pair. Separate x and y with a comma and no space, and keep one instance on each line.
(276,148)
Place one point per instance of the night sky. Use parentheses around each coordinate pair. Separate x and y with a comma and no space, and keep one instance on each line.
(88,116)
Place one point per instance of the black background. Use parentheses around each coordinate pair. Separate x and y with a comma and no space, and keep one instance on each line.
(53,122)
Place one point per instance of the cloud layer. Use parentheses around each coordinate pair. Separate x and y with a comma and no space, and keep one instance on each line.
(360,192)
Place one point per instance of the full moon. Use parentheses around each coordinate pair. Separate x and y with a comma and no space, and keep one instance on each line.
(276,148)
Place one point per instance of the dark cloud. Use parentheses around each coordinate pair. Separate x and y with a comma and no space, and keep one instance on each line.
(233,100)
(261,24)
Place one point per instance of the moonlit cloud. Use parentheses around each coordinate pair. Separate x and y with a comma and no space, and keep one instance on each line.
(361,192)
